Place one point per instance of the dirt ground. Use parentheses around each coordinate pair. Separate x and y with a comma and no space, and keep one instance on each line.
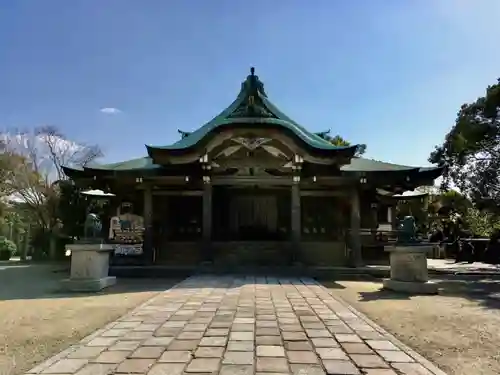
(37,321)
(458,330)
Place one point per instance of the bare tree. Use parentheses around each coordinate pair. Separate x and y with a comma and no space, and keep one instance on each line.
(33,162)
(62,152)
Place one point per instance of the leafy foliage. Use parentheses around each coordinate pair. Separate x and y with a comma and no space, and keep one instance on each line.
(453,202)
(339,141)
(470,152)
(480,223)
(415,208)
(72,208)
(7,248)
(448,206)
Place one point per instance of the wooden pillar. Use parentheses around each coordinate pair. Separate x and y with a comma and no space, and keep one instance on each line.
(374,207)
(296,226)
(355,237)
(148,249)
(392,217)
(207,221)
(164,229)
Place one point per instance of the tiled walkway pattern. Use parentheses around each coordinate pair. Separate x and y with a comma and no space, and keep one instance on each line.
(237,326)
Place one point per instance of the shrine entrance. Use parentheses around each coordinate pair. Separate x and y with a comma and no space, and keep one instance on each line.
(250,214)
(253,217)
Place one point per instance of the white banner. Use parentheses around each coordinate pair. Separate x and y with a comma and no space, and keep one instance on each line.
(128,249)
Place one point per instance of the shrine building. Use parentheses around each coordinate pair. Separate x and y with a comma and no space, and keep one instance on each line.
(253,187)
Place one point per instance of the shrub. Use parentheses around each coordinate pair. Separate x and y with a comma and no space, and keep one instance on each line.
(7,248)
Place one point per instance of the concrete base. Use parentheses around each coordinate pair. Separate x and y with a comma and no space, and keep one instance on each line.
(409,262)
(409,269)
(89,268)
(411,287)
(87,285)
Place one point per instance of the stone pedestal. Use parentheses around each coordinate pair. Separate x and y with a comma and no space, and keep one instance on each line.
(409,269)
(89,268)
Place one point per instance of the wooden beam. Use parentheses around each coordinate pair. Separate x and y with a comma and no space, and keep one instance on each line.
(243,180)
(336,180)
(324,193)
(185,193)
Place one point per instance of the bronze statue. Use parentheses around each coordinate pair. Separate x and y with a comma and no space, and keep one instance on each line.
(407,230)
(92,229)
(93,226)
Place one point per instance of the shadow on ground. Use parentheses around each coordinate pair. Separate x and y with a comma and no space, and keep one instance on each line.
(20,281)
(485,290)
(34,281)
(482,289)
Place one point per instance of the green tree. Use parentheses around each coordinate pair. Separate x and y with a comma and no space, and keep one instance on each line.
(480,223)
(72,209)
(339,141)
(7,248)
(454,202)
(470,152)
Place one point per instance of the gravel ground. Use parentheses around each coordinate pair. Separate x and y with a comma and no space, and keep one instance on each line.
(37,322)
(458,330)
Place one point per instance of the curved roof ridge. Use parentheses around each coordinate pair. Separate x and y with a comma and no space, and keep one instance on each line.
(252,106)
(306,133)
(196,135)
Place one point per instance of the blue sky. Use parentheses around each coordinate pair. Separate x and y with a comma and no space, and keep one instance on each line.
(388,73)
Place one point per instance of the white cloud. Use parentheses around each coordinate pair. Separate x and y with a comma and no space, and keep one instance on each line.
(110,110)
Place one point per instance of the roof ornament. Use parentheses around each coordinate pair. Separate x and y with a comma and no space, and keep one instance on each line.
(183,133)
(251,95)
(252,85)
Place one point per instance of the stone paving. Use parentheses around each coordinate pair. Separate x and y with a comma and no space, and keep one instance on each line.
(240,326)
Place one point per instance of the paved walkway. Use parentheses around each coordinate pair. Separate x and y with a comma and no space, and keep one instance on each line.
(240,326)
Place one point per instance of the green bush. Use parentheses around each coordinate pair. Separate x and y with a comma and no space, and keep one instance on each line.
(7,248)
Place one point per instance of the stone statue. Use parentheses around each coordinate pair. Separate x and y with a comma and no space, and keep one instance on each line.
(407,230)
(127,231)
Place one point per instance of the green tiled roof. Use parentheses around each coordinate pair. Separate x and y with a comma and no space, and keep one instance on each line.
(370,165)
(135,164)
(252,107)
(357,165)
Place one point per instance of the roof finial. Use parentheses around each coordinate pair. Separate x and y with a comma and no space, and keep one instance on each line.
(252,70)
